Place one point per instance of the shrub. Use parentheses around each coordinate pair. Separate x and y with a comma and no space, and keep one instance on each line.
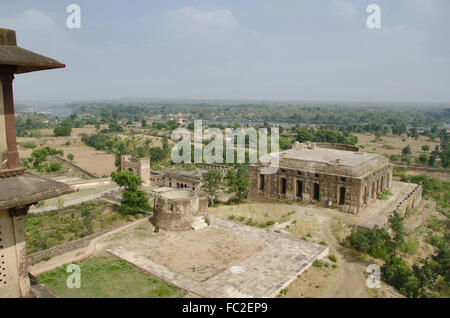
(62,131)
(376,242)
(317,263)
(398,273)
(54,166)
(29,145)
(332,258)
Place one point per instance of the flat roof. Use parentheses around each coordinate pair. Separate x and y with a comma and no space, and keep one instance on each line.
(29,189)
(331,161)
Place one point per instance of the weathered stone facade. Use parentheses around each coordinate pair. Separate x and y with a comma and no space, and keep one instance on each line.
(191,180)
(330,176)
(139,166)
(175,209)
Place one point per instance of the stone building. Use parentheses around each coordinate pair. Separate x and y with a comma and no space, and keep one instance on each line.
(139,166)
(349,179)
(179,210)
(176,179)
(18,189)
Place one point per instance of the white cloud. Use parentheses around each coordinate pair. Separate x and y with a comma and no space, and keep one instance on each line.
(29,20)
(193,20)
(343,8)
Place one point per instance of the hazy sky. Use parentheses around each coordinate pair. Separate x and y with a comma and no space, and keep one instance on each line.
(236,49)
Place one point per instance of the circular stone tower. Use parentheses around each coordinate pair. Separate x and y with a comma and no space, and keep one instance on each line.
(175,210)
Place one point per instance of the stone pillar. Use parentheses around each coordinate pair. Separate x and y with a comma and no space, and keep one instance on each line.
(6,79)
(14,281)
(3,146)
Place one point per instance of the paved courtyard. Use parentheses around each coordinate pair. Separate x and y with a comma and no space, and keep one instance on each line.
(263,274)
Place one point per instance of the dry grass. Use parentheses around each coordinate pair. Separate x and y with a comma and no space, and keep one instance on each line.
(367,140)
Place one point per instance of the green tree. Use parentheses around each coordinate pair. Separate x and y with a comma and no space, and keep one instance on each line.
(242,182)
(133,198)
(423,158)
(211,181)
(425,147)
(397,226)
(62,131)
(406,151)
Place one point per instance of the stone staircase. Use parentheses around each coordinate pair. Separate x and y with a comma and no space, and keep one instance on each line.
(198,223)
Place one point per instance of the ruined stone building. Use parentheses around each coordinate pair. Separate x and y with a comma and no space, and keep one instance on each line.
(349,179)
(179,210)
(18,189)
(139,166)
(176,179)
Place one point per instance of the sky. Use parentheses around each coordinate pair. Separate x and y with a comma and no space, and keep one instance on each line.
(236,49)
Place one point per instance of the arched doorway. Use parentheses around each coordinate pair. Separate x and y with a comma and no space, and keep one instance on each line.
(299,189)
(316,194)
(342,195)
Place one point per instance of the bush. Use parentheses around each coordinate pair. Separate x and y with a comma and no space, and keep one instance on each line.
(332,258)
(29,145)
(317,263)
(54,166)
(376,242)
(398,273)
(384,195)
(62,131)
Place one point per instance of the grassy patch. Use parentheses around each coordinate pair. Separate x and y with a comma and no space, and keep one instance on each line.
(46,230)
(108,276)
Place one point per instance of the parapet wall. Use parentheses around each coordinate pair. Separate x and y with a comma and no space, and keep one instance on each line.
(212,166)
(337,146)
(410,201)
(175,209)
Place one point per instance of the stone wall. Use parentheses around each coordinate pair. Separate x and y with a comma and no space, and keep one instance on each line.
(348,192)
(410,201)
(64,248)
(14,280)
(90,174)
(402,165)
(211,166)
(175,209)
(139,166)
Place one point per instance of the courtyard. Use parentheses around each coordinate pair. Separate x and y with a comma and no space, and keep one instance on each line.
(228,259)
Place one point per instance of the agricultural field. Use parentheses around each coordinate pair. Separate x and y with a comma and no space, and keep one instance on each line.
(393,145)
(95,161)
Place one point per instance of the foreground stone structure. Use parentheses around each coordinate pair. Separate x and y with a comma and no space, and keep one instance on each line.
(176,210)
(349,179)
(139,166)
(263,274)
(18,189)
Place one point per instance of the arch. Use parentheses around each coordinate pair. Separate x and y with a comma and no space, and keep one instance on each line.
(316,194)
(341,195)
(299,189)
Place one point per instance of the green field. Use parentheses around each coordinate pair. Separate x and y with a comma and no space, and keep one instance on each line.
(106,276)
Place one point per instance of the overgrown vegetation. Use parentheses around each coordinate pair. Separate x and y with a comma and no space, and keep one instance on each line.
(134,199)
(428,277)
(431,188)
(49,229)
